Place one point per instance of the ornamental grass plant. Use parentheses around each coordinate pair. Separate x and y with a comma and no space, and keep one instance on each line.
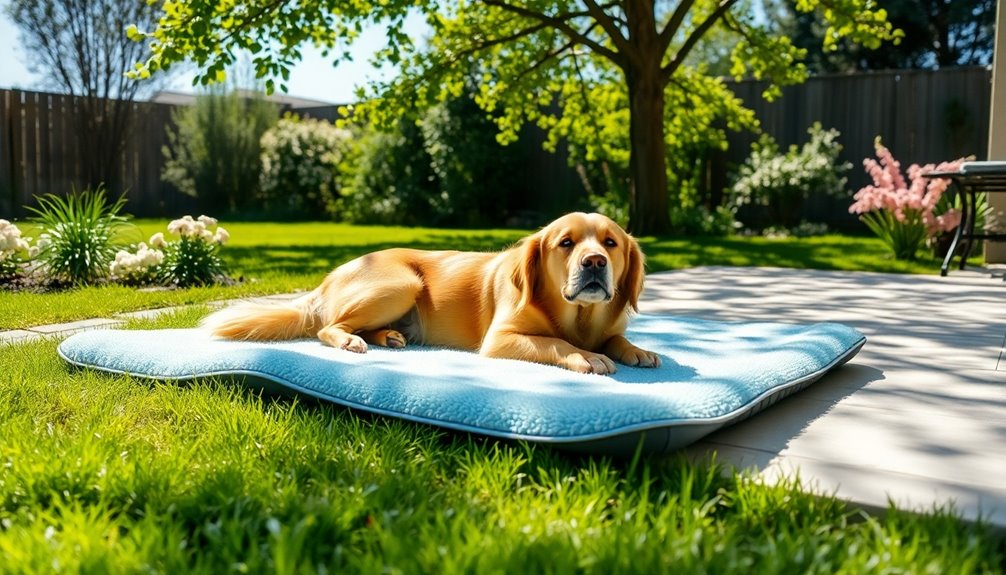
(80,235)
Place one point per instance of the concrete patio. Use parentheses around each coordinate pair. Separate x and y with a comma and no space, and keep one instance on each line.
(918,417)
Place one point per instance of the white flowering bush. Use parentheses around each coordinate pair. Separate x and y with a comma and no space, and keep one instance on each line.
(300,164)
(193,258)
(13,248)
(138,267)
(781,182)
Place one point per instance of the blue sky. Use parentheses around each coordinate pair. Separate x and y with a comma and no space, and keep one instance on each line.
(314,77)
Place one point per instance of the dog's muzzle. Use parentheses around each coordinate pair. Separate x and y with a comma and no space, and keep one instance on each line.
(592,281)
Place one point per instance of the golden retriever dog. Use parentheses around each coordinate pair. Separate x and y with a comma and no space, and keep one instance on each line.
(561,296)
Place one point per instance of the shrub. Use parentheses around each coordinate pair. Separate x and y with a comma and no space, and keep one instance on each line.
(441,168)
(214,152)
(802,230)
(475,174)
(79,235)
(781,182)
(904,215)
(194,258)
(300,166)
(392,181)
(12,249)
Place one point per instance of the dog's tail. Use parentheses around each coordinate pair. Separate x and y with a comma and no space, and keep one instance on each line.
(264,321)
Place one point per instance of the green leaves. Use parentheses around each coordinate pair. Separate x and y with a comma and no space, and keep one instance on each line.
(528,61)
(523,53)
(80,235)
(903,236)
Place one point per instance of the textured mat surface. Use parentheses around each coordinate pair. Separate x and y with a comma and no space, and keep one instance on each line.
(713,374)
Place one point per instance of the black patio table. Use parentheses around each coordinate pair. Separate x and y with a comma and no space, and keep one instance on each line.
(971,179)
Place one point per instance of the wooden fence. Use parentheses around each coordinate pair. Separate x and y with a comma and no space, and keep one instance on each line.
(922,116)
(40,154)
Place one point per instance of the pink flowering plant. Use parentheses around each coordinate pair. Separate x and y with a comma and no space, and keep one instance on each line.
(904,213)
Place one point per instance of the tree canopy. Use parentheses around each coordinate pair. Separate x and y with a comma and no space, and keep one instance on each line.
(530,59)
(938,33)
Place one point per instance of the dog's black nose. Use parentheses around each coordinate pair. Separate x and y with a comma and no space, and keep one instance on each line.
(594,261)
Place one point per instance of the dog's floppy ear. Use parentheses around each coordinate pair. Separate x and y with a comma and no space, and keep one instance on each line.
(631,285)
(526,268)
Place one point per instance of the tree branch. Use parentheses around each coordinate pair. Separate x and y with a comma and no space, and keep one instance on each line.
(608,24)
(668,70)
(671,28)
(545,59)
(504,39)
(560,23)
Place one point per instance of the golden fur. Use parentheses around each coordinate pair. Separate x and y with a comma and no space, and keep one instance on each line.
(562,296)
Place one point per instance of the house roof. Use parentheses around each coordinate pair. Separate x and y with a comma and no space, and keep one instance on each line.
(285,100)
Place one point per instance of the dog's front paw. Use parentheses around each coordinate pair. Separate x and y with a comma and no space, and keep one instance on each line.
(639,357)
(586,362)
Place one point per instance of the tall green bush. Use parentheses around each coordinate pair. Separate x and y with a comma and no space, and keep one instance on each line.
(476,175)
(444,168)
(300,167)
(214,150)
(390,178)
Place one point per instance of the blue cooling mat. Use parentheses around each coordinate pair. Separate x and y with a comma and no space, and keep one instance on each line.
(713,374)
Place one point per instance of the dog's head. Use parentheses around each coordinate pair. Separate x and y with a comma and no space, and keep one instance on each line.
(582,259)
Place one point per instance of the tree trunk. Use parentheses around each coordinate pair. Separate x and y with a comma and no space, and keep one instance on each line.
(648,204)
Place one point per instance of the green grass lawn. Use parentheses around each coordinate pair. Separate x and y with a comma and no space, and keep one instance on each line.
(108,474)
(277,258)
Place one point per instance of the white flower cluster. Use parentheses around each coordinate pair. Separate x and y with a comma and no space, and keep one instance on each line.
(771,177)
(204,228)
(10,240)
(136,266)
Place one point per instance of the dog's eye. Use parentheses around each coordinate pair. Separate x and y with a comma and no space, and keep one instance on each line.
(566,243)
(610,243)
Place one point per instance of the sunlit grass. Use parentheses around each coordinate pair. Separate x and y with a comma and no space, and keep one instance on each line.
(110,474)
(285,257)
